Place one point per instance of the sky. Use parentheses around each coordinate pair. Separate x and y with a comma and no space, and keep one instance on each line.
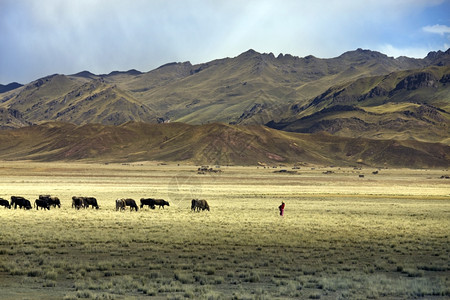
(40,38)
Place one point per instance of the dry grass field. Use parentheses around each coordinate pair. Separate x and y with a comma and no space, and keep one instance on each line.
(383,235)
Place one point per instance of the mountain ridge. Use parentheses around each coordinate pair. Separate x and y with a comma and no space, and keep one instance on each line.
(9,87)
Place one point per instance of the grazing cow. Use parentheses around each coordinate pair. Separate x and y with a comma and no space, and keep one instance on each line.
(52,201)
(21,202)
(199,204)
(153,202)
(193,204)
(77,202)
(161,202)
(4,203)
(131,203)
(43,204)
(149,201)
(90,201)
(120,204)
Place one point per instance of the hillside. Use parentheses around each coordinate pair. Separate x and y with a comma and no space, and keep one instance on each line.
(211,144)
(77,100)
(10,118)
(411,104)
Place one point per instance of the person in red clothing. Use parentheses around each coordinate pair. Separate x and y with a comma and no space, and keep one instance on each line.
(281,207)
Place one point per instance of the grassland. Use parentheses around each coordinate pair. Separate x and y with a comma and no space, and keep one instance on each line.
(385,235)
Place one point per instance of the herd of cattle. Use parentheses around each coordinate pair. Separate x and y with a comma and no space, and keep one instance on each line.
(47,201)
(44,202)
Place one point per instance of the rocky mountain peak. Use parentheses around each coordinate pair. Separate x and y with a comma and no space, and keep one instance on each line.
(363,54)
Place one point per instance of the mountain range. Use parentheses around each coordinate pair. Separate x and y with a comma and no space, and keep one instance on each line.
(359,95)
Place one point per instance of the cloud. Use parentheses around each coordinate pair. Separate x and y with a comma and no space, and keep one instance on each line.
(52,36)
(415,52)
(438,29)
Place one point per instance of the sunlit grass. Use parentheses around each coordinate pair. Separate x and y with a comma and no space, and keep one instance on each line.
(342,236)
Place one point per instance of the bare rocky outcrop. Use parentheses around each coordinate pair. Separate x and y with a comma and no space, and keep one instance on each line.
(416,81)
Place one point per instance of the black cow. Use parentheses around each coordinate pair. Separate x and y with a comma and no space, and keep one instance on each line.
(153,202)
(77,202)
(43,204)
(131,203)
(199,204)
(149,201)
(90,201)
(161,202)
(4,203)
(21,202)
(52,201)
